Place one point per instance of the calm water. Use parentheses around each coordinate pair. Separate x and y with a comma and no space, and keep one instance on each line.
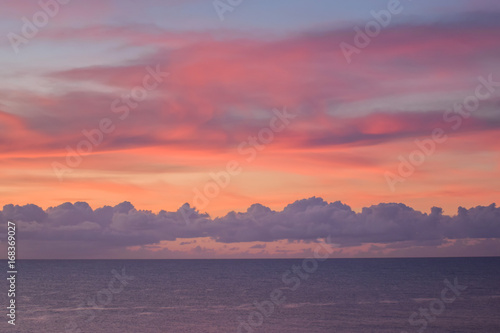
(341,295)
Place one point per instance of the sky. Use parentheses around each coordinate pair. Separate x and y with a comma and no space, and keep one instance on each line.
(250,129)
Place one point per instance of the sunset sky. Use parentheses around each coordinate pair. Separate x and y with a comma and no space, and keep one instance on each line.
(275,118)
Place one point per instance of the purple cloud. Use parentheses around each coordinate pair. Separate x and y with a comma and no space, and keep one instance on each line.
(83,231)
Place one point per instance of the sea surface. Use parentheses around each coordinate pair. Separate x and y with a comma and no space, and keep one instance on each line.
(337,295)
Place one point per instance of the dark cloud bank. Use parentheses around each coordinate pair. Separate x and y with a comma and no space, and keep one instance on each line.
(78,230)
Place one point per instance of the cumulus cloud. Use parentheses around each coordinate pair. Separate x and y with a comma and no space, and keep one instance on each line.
(396,225)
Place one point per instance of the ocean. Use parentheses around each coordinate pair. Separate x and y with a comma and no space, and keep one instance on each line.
(288,295)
